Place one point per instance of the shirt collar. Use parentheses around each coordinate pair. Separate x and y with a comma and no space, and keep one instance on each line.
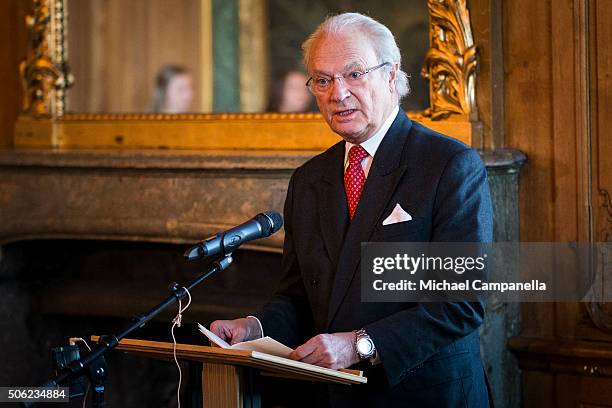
(371,145)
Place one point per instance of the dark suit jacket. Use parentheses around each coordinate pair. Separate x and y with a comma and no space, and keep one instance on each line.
(430,351)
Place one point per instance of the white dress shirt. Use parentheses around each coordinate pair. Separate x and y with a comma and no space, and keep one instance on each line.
(371,145)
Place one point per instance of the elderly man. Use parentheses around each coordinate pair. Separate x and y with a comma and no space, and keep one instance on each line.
(414,354)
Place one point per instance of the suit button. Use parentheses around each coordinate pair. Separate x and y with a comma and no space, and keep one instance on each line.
(314,282)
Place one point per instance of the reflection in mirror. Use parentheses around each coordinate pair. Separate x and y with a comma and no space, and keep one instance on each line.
(117,48)
(184,55)
(173,91)
(291,21)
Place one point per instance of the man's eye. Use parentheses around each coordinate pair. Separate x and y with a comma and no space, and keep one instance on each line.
(322,81)
(355,75)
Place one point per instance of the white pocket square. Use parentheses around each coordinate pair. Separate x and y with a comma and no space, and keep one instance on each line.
(397,215)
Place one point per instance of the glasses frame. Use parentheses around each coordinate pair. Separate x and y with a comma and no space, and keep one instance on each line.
(343,76)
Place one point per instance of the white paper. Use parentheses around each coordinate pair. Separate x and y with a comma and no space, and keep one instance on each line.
(264,345)
(214,338)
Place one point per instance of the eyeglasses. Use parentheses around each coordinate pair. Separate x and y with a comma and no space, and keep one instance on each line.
(320,84)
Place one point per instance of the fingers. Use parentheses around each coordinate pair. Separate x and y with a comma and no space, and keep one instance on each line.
(215,327)
(320,359)
(238,336)
(228,330)
(328,350)
(232,331)
(317,351)
(218,327)
(303,351)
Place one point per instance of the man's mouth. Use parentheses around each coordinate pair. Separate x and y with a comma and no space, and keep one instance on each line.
(345,112)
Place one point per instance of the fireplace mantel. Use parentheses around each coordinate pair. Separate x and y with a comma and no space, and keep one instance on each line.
(140,195)
(158,195)
(151,195)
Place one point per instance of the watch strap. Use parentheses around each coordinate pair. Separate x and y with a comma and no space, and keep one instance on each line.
(362,334)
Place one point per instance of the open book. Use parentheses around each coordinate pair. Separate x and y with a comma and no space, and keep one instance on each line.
(269,350)
(264,345)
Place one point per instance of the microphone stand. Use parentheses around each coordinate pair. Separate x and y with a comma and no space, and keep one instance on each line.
(93,364)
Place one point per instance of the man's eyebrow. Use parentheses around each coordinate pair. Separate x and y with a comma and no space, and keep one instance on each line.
(347,67)
(353,65)
(321,73)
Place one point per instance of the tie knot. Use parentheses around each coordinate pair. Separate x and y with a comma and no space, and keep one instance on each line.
(356,155)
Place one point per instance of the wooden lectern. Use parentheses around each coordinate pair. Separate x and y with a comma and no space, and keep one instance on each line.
(224,372)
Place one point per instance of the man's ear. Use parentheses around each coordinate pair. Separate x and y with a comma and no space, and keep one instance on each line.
(392,75)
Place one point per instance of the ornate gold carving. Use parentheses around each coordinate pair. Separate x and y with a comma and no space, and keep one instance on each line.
(451,61)
(44,72)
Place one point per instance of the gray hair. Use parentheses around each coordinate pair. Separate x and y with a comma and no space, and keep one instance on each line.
(381,38)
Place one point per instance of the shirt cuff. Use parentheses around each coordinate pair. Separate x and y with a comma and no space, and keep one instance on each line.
(259,323)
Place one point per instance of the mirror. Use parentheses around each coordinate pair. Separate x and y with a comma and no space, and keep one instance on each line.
(238,31)
(210,56)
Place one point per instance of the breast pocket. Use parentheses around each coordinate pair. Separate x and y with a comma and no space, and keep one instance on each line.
(402,231)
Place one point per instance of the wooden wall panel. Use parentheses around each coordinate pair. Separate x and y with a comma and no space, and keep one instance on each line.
(12,51)
(569,27)
(566,123)
(601,125)
(547,115)
(486,18)
(528,127)
(120,46)
(540,386)
(601,110)
(528,104)
(558,110)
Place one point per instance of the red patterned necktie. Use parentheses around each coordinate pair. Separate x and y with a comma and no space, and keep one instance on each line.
(354,177)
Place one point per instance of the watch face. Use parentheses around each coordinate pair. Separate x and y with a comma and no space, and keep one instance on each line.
(365,346)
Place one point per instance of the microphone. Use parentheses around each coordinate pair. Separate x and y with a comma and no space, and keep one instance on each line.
(261,226)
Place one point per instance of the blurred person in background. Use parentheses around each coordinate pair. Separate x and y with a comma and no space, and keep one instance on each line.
(173,90)
(288,93)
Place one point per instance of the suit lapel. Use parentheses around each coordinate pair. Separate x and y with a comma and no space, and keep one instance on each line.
(385,173)
(332,205)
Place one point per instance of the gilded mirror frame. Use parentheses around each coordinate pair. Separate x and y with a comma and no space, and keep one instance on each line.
(450,66)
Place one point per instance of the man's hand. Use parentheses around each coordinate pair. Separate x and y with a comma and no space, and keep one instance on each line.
(238,330)
(335,350)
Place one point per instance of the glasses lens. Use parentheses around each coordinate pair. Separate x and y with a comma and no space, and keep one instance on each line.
(323,84)
(353,77)
(318,84)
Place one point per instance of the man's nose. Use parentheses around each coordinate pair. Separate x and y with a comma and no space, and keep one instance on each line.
(339,91)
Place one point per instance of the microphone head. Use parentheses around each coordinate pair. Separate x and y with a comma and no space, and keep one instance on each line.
(195,252)
(270,222)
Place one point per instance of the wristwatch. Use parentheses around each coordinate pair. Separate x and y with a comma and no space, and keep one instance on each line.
(364,345)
